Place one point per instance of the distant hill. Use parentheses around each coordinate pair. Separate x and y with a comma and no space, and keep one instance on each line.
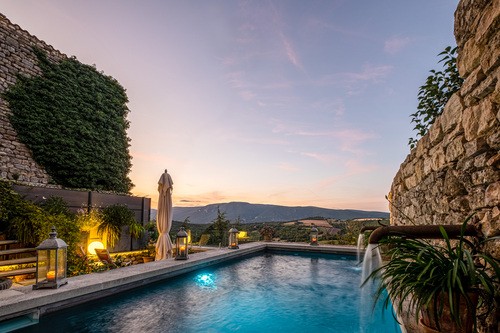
(257,213)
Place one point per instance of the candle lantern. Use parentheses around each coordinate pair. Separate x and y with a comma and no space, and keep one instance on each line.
(233,238)
(181,245)
(51,261)
(314,236)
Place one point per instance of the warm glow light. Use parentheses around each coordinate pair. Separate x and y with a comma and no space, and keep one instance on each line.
(51,275)
(243,234)
(183,248)
(94,245)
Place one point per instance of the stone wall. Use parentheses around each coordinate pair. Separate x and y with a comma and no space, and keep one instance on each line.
(455,169)
(17,57)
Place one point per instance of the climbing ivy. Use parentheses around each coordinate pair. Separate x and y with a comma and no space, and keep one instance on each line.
(73,119)
(435,93)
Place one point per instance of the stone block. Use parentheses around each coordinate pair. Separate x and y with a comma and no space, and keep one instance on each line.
(460,204)
(472,81)
(469,57)
(490,223)
(492,195)
(422,146)
(477,198)
(476,147)
(411,182)
(494,161)
(485,88)
(479,119)
(453,187)
(452,113)
(485,176)
(455,149)
(493,139)
(438,158)
(436,132)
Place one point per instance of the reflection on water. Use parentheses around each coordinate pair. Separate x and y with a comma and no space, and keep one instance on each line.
(267,293)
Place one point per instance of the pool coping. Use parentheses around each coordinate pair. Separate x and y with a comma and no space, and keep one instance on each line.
(24,301)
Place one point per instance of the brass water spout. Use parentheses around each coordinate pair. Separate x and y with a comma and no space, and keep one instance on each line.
(421,231)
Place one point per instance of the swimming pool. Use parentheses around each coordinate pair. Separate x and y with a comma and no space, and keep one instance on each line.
(271,292)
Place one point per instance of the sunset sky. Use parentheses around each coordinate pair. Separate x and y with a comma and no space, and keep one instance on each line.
(293,102)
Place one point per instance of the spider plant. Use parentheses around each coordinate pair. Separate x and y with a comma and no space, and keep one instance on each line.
(432,277)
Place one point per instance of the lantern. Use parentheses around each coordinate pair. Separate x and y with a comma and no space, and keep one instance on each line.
(233,238)
(314,236)
(51,260)
(181,245)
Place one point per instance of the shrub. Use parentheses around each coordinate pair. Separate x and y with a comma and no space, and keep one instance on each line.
(435,93)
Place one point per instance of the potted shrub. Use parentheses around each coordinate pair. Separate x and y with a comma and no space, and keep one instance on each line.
(152,233)
(446,285)
(267,232)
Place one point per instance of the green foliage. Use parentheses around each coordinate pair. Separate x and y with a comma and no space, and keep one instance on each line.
(30,224)
(115,217)
(73,119)
(428,275)
(435,93)
(218,230)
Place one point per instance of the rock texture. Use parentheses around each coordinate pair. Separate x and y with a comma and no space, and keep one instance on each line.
(17,57)
(455,169)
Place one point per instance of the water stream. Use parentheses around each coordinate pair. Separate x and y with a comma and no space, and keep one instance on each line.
(371,261)
(361,246)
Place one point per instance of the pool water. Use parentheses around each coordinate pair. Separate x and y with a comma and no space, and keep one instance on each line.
(271,292)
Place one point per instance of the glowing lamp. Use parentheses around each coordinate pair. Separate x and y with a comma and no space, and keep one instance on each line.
(181,245)
(233,239)
(51,261)
(314,236)
(94,245)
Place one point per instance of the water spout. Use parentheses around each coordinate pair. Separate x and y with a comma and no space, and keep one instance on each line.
(361,238)
(369,228)
(421,231)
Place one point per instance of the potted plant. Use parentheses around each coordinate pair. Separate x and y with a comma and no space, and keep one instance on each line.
(446,286)
(152,233)
(267,232)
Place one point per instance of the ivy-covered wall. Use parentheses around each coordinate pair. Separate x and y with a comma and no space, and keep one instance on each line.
(17,57)
(71,117)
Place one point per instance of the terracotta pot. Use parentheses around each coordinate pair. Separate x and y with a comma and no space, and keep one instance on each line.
(148,259)
(446,323)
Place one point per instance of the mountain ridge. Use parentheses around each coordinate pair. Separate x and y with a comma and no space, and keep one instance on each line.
(258,213)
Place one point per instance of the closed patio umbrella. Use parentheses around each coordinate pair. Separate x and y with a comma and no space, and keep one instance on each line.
(164,217)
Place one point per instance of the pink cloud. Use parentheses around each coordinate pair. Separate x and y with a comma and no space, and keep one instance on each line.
(395,44)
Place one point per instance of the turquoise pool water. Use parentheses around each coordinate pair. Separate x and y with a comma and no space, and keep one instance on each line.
(271,292)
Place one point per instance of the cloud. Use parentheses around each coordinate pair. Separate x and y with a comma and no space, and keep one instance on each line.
(287,167)
(318,156)
(369,73)
(395,44)
(290,52)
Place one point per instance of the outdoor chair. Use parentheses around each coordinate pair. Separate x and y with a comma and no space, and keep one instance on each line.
(105,258)
(204,240)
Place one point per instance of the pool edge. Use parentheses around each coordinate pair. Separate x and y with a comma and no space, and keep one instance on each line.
(21,301)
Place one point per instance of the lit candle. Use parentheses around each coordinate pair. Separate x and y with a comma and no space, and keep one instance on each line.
(183,248)
(51,275)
